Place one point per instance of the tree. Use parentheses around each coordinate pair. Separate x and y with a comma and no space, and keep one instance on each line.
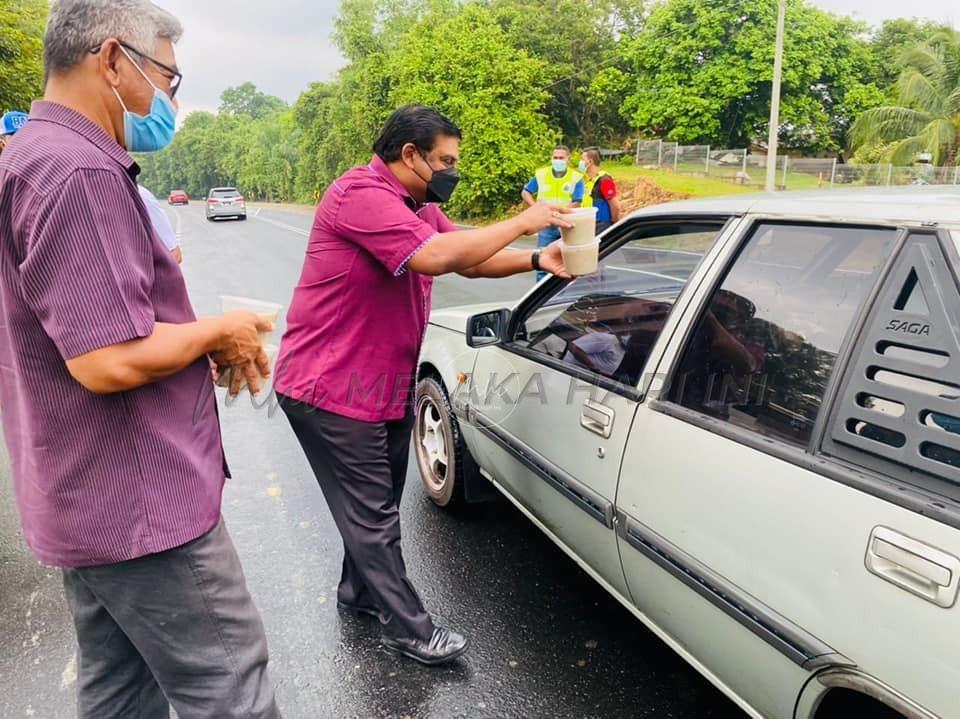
(465,66)
(576,40)
(926,116)
(247,100)
(21,52)
(891,41)
(702,73)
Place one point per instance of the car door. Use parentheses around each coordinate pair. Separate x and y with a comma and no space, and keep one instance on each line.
(556,401)
(740,538)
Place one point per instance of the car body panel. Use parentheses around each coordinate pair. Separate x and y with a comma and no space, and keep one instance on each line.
(785,591)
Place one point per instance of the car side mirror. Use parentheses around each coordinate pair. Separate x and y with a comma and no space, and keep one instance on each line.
(488,329)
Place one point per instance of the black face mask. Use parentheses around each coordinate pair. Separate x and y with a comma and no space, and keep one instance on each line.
(441,186)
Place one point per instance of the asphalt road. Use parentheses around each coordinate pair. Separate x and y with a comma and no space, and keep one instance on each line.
(547,641)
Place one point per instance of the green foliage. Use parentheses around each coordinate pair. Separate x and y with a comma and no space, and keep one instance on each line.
(926,115)
(889,44)
(247,100)
(702,73)
(21,45)
(518,75)
(465,67)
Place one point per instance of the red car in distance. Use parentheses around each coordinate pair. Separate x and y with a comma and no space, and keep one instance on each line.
(178,197)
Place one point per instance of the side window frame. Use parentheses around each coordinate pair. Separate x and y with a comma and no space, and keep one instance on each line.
(613,241)
(811,457)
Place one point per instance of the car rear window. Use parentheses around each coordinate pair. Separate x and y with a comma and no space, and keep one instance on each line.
(764,349)
(226,192)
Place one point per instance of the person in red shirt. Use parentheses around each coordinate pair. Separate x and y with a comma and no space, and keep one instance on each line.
(348,359)
(600,190)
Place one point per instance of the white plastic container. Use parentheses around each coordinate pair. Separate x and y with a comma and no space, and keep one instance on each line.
(269,311)
(584,230)
(581,260)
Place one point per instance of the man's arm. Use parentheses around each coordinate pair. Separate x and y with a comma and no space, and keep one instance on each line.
(465,249)
(512,261)
(615,210)
(171,348)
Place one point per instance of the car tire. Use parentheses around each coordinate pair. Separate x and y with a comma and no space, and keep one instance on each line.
(442,456)
(243,218)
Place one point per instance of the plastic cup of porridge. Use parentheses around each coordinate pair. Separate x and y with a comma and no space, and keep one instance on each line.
(581,260)
(269,311)
(584,230)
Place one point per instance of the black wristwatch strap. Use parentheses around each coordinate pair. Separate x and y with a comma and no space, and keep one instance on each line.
(535,260)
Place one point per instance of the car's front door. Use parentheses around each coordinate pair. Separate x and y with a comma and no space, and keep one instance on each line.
(556,402)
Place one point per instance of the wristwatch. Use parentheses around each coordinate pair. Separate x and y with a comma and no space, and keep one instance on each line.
(535,260)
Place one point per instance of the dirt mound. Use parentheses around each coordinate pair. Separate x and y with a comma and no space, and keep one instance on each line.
(643,192)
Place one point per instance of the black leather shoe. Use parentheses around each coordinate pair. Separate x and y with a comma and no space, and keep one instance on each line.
(443,647)
(359,610)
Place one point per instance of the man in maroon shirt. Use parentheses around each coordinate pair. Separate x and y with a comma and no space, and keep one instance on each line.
(109,412)
(348,359)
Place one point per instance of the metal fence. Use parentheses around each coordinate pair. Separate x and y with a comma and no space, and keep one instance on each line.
(738,165)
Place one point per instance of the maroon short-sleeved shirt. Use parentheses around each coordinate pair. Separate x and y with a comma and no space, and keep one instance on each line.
(98,478)
(358,317)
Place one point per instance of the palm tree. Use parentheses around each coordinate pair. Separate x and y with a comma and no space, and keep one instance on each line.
(927,115)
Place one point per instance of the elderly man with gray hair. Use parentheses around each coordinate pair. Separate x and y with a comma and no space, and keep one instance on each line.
(109,412)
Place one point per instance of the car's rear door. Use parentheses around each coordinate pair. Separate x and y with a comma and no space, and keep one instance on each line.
(556,402)
(739,537)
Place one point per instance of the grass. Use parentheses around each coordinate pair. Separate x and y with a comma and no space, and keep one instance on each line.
(702,186)
(692,185)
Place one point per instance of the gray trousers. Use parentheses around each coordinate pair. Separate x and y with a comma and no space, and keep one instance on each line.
(361,468)
(176,628)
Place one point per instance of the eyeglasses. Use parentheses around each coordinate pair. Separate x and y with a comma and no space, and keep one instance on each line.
(174,76)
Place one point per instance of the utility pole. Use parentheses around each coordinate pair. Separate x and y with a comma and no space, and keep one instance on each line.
(775,101)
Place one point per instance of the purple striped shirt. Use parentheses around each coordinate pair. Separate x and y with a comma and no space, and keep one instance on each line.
(98,478)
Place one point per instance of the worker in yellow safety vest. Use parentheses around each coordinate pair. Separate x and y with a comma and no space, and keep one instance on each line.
(600,190)
(557,184)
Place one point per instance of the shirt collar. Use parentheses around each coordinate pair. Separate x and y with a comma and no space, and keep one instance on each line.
(82,125)
(379,167)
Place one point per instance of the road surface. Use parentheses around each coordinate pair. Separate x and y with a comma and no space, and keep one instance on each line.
(547,641)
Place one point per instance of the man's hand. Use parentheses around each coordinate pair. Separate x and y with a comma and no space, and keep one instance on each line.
(541,216)
(239,347)
(551,260)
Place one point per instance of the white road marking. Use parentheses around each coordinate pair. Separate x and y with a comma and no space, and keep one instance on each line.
(284,226)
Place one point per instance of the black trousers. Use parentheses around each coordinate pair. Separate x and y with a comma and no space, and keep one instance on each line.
(361,468)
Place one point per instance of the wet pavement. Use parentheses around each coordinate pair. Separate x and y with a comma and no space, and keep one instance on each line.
(547,641)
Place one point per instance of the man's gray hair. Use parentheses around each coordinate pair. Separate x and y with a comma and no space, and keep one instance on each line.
(77,26)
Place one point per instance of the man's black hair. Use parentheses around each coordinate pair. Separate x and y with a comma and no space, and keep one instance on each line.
(594,154)
(412,123)
(564,148)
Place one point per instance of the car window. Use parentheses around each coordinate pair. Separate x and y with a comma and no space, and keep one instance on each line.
(608,322)
(763,350)
(227,192)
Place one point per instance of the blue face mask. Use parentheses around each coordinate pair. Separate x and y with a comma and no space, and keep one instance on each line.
(582,166)
(152,132)
(559,166)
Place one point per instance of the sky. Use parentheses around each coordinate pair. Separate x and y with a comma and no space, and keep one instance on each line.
(283,45)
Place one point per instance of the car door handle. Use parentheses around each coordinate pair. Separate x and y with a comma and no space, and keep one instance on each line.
(914,566)
(597,418)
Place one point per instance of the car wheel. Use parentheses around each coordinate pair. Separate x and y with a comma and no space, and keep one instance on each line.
(441,454)
(243,218)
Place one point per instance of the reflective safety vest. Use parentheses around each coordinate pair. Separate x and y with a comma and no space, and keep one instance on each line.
(551,188)
(588,186)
